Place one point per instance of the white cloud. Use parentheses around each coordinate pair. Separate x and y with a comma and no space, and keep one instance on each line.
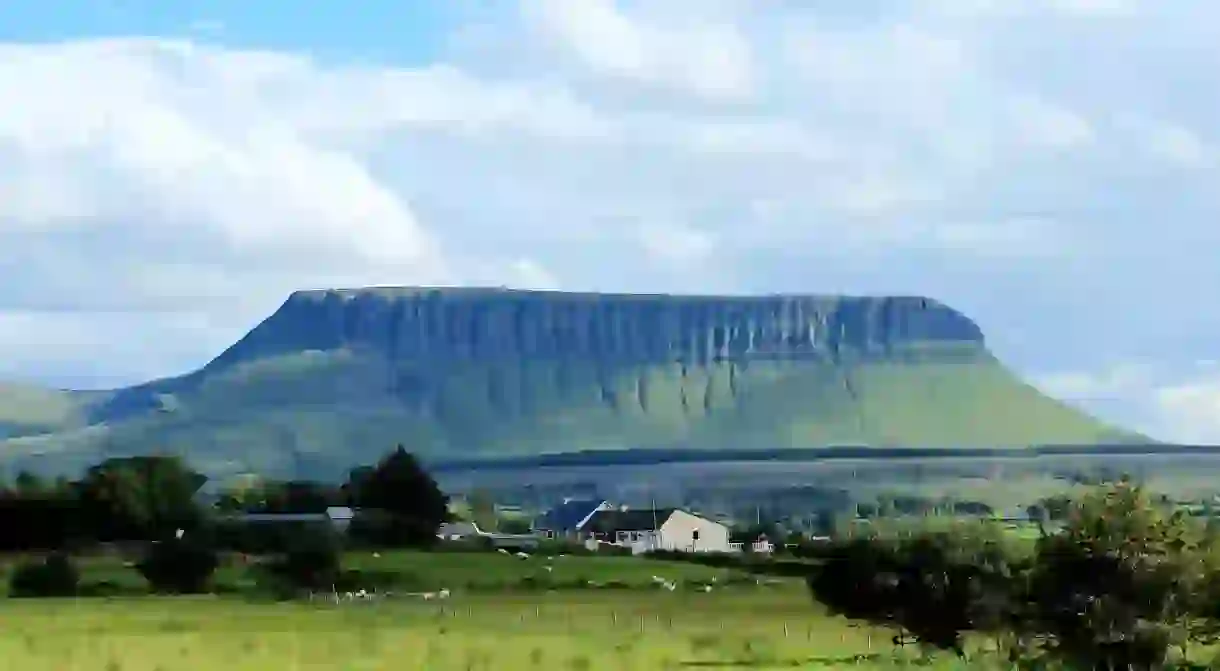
(1191,410)
(1048,125)
(528,274)
(1180,404)
(675,243)
(712,60)
(1179,145)
(1109,383)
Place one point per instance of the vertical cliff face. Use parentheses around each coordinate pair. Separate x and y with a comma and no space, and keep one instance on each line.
(490,325)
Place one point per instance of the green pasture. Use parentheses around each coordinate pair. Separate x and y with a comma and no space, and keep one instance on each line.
(429,571)
(610,630)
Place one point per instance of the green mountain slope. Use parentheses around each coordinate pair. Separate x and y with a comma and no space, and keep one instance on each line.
(333,378)
(28,410)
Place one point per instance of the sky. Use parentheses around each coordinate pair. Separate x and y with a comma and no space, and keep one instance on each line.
(170,171)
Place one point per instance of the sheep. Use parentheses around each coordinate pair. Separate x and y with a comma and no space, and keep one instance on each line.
(502,551)
(443,594)
(522,555)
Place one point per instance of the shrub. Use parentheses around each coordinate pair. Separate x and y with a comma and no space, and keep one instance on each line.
(52,576)
(1142,569)
(313,562)
(179,566)
(934,587)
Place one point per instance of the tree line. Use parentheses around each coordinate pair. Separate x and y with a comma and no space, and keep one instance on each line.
(1126,582)
(155,498)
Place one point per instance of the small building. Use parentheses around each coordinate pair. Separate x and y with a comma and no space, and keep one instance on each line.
(566,520)
(470,531)
(338,517)
(456,531)
(657,529)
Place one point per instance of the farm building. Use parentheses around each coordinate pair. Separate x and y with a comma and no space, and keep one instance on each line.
(659,529)
(566,520)
(467,531)
(456,531)
(338,517)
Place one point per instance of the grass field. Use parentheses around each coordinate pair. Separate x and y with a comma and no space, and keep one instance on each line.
(615,631)
(429,571)
(492,622)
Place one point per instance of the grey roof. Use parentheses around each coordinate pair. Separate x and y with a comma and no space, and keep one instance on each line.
(567,515)
(612,521)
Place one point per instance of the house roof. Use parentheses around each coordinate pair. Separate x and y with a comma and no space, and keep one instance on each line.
(568,515)
(612,521)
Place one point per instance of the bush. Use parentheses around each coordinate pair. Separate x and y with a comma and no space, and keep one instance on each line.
(1143,570)
(314,562)
(382,530)
(179,566)
(934,587)
(52,576)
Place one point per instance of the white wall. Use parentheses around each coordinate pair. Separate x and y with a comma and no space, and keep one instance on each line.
(678,533)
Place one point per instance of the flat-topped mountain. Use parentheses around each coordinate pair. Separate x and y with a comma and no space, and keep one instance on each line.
(333,377)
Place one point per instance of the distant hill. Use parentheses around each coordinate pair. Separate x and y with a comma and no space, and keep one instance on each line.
(334,378)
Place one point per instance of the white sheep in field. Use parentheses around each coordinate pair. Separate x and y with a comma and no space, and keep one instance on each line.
(443,594)
(502,551)
(522,555)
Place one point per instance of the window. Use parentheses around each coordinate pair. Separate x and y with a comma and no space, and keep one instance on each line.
(694,536)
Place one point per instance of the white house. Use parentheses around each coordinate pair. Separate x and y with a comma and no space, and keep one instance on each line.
(659,529)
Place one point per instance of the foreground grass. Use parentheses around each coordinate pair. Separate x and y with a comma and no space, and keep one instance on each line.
(614,631)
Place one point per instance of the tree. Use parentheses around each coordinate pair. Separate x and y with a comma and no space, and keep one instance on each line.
(140,498)
(312,561)
(399,502)
(179,565)
(934,587)
(1122,585)
(27,484)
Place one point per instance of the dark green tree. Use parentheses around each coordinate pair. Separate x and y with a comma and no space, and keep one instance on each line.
(179,565)
(140,498)
(399,502)
(1123,585)
(933,587)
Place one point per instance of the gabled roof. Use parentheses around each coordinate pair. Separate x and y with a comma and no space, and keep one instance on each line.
(613,521)
(568,515)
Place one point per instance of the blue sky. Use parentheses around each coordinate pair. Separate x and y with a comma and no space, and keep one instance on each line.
(169,171)
(402,32)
